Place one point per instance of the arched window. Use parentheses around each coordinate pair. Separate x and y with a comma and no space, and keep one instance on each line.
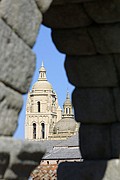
(38,103)
(67,110)
(34,130)
(43,130)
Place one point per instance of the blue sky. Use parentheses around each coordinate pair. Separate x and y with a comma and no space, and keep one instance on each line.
(54,64)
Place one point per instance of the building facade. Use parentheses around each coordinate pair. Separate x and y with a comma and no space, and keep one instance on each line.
(44,117)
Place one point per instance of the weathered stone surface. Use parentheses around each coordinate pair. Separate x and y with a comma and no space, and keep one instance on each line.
(94,105)
(106,38)
(115,138)
(70,16)
(117,63)
(10,105)
(91,71)
(17,61)
(73,42)
(59,2)
(116,96)
(91,170)
(24,157)
(104,11)
(4,160)
(112,170)
(43,4)
(86,170)
(23,16)
(95,141)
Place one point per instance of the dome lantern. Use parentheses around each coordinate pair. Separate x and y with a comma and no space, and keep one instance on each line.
(42,83)
(42,73)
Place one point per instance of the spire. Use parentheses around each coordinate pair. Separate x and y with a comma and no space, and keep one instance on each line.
(42,73)
(42,64)
(67,96)
(67,106)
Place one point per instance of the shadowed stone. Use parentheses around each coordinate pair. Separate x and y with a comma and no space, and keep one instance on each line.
(115,138)
(23,16)
(94,105)
(4,161)
(10,105)
(17,61)
(90,170)
(95,141)
(69,16)
(104,11)
(116,96)
(59,2)
(24,157)
(92,71)
(64,40)
(116,58)
(106,38)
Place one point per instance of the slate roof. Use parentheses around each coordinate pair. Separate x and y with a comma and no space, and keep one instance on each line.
(62,149)
(63,153)
(72,141)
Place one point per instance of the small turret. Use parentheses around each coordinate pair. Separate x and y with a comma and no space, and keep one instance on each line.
(42,73)
(67,107)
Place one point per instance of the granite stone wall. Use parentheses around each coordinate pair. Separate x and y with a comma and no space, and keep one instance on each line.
(19,24)
(88,32)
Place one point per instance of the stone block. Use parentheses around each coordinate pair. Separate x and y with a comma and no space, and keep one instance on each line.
(116,58)
(70,16)
(24,157)
(4,161)
(106,38)
(94,105)
(43,4)
(115,140)
(24,18)
(116,96)
(103,12)
(10,105)
(92,170)
(95,142)
(73,41)
(59,2)
(91,71)
(17,61)
(112,170)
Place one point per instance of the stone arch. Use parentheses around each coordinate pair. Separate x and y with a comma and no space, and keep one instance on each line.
(88,33)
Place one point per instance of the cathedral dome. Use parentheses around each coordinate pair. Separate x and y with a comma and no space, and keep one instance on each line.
(42,85)
(65,125)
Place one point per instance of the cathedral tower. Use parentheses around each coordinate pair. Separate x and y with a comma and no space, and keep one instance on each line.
(44,117)
(42,109)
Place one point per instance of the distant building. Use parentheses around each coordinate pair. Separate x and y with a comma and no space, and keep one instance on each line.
(55,129)
(57,152)
(44,117)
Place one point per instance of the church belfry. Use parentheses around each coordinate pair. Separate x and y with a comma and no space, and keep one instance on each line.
(67,107)
(41,108)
